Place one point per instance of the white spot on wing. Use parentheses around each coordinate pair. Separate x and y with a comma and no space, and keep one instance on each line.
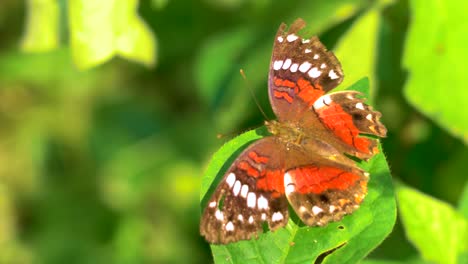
(322,101)
(369,117)
(263,216)
(316,210)
(323,66)
(231,178)
(251,199)
(229,226)
(244,190)
(219,215)
(316,56)
(236,189)
(332,208)
(307,51)
(278,216)
(302,209)
(262,203)
(304,66)
(286,64)
(305,41)
(332,75)
(280,39)
(212,204)
(277,65)
(360,106)
(240,217)
(314,72)
(251,220)
(294,67)
(291,37)
(290,186)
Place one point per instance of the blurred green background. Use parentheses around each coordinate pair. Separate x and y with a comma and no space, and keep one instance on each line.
(111,110)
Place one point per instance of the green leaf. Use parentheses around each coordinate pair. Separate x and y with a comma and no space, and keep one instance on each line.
(434,227)
(357,49)
(42,26)
(326,14)
(436,62)
(159,4)
(209,73)
(101,29)
(410,261)
(351,239)
(463,204)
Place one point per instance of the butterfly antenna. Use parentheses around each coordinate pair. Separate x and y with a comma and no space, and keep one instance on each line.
(253,94)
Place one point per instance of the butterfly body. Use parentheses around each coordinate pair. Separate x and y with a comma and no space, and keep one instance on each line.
(306,159)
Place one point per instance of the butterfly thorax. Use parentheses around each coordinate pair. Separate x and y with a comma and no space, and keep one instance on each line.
(286,132)
(317,143)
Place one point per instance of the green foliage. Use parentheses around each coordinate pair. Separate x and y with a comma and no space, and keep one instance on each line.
(349,240)
(98,31)
(438,231)
(42,26)
(221,84)
(437,82)
(103,165)
(463,205)
(357,47)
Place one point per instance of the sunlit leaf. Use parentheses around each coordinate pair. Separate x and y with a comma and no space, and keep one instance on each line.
(410,261)
(434,227)
(323,15)
(436,62)
(42,26)
(101,29)
(357,49)
(463,204)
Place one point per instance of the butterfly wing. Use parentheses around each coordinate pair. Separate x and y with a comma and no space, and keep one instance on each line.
(347,116)
(301,71)
(323,193)
(250,194)
(322,187)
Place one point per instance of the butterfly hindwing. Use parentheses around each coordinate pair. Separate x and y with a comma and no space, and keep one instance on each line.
(347,116)
(321,194)
(250,193)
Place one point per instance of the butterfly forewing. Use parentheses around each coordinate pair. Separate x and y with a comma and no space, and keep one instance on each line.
(301,71)
(250,194)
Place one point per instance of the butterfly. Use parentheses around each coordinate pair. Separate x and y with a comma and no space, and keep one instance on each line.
(306,159)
